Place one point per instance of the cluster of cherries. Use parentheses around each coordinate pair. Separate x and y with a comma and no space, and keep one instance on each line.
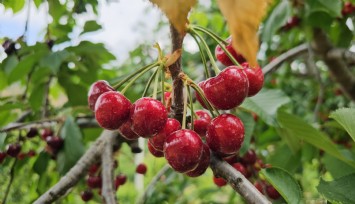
(348,8)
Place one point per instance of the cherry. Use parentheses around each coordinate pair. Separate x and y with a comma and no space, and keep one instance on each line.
(55,142)
(219,181)
(93,169)
(112,110)
(272,192)
(201,123)
(223,57)
(96,89)
(231,159)
(126,131)
(291,23)
(153,151)
(13,149)
(21,156)
(255,77)
(86,195)
(2,156)
(148,117)
(183,150)
(203,164)
(158,140)
(46,133)
(241,168)
(259,185)
(227,90)
(141,168)
(120,179)
(347,8)
(249,157)
(225,134)
(32,132)
(94,181)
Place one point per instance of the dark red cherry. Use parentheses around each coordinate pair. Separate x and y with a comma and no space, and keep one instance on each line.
(120,179)
(2,156)
(249,157)
(227,90)
(93,169)
(241,168)
(225,134)
(158,140)
(47,133)
(96,89)
(141,168)
(32,132)
(219,181)
(203,164)
(55,142)
(86,195)
(272,192)
(201,123)
(255,77)
(260,186)
(13,149)
(148,117)
(31,153)
(112,110)
(94,181)
(153,151)
(347,8)
(126,131)
(223,57)
(183,150)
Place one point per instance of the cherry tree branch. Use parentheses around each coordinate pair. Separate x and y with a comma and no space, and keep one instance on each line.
(343,54)
(108,191)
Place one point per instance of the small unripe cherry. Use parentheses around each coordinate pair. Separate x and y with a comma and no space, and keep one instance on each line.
(219,181)
(141,169)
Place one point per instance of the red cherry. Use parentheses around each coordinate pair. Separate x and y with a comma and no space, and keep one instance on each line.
(55,142)
(148,117)
(201,123)
(203,164)
(21,155)
(347,8)
(272,192)
(126,131)
(260,186)
(46,133)
(112,110)
(86,195)
(255,77)
(94,181)
(2,156)
(93,169)
(120,179)
(154,151)
(223,57)
(183,150)
(227,90)
(231,159)
(241,168)
(158,140)
(249,157)
(96,89)
(32,132)
(225,134)
(141,168)
(13,149)
(219,181)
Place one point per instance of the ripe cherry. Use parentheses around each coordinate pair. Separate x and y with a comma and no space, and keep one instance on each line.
(94,181)
(347,9)
(260,186)
(201,123)
(46,133)
(219,181)
(241,168)
(2,156)
(148,117)
(141,168)
(272,192)
(93,169)
(158,140)
(183,150)
(223,57)
(249,157)
(32,132)
(55,142)
(13,149)
(227,90)
(112,110)
(120,179)
(225,134)
(126,131)
(153,151)
(255,77)
(86,195)
(203,164)
(96,89)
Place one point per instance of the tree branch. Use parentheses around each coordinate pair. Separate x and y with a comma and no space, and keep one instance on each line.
(108,191)
(238,182)
(337,67)
(294,52)
(343,54)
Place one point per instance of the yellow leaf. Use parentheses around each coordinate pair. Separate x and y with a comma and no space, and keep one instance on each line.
(243,18)
(176,11)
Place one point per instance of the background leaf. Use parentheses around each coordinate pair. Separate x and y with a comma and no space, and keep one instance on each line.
(91,26)
(346,118)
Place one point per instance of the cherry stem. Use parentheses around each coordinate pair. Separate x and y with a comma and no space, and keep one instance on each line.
(213,62)
(203,57)
(185,108)
(156,81)
(218,40)
(162,85)
(149,83)
(143,69)
(191,106)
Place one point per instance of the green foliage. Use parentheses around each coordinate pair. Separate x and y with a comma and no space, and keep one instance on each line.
(346,118)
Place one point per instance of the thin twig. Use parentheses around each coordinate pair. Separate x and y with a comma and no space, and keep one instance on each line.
(108,191)
(344,54)
(46,98)
(12,176)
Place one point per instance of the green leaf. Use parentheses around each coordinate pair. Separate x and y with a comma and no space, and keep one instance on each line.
(249,125)
(90,26)
(3,80)
(292,142)
(303,131)
(284,183)
(38,2)
(54,60)
(9,64)
(73,146)
(37,96)
(332,7)
(277,18)
(346,118)
(41,164)
(336,167)
(266,103)
(2,140)
(284,158)
(16,6)
(340,190)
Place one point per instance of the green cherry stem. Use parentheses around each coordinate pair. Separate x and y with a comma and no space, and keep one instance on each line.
(149,83)
(191,106)
(204,99)
(203,57)
(185,109)
(210,33)
(162,85)
(156,81)
(143,69)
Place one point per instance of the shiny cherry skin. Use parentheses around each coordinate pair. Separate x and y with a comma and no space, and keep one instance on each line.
(227,90)
(272,192)
(260,186)
(126,131)
(141,168)
(86,195)
(201,123)
(13,149)
(219,181)
(96,89)
(223,57)
(255,77)
(158,140)
(148,117)
(55,142)
(121,179)
(203,164)
(225,134)
(183,150)
(47,133)
(112,110)
(153,151)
